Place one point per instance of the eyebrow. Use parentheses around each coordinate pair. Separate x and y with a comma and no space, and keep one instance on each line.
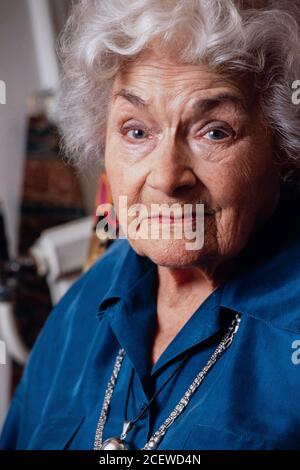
(208,104)
(131,97)
(203,105)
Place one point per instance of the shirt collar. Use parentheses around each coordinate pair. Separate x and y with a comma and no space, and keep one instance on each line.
(127,272)
(130,306)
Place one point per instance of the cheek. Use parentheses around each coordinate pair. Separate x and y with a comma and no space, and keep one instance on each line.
(122,180)
(226,184)
(240,178)
(126,172)
(114,166)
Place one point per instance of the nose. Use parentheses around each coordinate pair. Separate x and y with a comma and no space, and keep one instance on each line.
(171,173)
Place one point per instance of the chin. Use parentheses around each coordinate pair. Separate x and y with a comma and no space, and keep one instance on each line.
(170,253)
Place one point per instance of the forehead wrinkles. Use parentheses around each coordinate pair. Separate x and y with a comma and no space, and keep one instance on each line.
(172,88)
(169,81)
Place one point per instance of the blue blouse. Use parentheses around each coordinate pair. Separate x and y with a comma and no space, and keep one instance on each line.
(249,400)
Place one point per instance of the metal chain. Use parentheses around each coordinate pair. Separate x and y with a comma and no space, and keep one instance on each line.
(107,398)
(182,404)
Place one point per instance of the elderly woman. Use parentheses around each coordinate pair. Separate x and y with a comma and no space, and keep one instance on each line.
(164,344)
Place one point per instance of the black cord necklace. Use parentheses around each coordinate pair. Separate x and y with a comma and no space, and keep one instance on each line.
(129,424)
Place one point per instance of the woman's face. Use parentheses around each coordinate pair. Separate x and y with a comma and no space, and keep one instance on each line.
(182,134)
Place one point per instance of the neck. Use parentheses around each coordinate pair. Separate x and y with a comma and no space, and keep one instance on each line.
(175,284)
(180,293)
(180,286)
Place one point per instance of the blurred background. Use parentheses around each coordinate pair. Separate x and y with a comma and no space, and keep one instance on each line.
(47,209)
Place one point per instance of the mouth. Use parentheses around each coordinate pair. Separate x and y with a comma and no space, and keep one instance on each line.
(178,219)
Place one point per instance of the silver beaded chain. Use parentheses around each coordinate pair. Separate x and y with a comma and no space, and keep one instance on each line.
(182,404)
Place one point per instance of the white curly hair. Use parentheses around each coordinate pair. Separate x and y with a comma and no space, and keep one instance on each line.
(260,38)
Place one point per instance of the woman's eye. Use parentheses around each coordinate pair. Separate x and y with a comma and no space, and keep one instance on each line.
(216,134)
(136,134)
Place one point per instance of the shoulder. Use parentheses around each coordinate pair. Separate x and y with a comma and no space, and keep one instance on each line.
(73,321)
(266,285)
(60,351)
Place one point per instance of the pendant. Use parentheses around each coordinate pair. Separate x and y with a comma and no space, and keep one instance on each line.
(114,443)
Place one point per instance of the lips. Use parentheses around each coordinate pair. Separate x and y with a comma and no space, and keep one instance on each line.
(171,218)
